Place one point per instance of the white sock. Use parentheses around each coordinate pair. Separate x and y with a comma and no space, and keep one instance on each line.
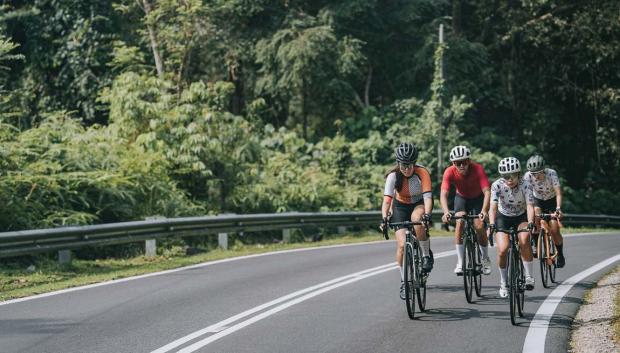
(485,251)
(503,272)
(402,277)
(528,268)
(460,251)
(425,245)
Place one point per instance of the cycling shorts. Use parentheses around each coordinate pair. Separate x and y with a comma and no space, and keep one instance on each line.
(402,212)
(507,222)
(473,205)
(547,206)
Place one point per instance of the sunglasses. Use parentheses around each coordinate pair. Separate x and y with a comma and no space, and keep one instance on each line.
(405,166)
(537,173)
(461,163)
(511,176)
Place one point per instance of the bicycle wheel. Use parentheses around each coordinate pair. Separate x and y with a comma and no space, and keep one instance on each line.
(478,267)
(552,255)
(409,277)
(468,268)
(520,286)
(421,279)
(512,286)
(543,257)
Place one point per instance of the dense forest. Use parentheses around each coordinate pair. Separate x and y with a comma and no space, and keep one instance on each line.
(120,110)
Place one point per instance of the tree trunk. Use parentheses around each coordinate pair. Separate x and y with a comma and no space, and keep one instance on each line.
(457,10)
(153,38)
(367,88)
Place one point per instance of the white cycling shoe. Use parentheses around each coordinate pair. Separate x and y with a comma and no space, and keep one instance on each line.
(486,266)
(503,291)
(458,270)
(529,283)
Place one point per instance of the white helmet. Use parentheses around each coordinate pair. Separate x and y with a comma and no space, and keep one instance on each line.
(535,164)
(459,153)
(509,165)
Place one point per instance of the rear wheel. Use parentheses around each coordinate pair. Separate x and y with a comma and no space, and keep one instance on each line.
(552,266)
(468,268)
(409,278)
(421,279)
(520,286)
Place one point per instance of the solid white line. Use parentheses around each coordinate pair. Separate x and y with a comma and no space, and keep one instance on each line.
(344,279)
(537,333)
(219,325)
(239,326)
(204,264)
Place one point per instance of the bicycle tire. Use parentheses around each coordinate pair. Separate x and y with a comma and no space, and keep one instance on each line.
(512,286)
(409,278)
(542,257)
(478,267)
(468,269)
(521,287)
(421,288)
(553,266)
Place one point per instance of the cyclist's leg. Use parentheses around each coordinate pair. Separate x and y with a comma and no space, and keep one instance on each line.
(554,229)
(502,242)
(526,256)
(425,246)
(460,204)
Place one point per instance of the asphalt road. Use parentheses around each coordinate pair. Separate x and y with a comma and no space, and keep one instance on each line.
(335,299)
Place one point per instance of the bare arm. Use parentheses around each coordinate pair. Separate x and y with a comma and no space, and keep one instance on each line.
(492,212)
(485,203)
(443,200)
(386,206)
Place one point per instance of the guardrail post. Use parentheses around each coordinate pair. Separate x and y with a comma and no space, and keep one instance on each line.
(286,235)
(342,229)
(150,248)
(222,240)
(64,257)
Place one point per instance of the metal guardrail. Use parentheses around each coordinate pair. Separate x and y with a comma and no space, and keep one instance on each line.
(45,240)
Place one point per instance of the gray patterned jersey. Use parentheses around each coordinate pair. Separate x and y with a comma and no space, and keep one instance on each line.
(543,189)
(511,201)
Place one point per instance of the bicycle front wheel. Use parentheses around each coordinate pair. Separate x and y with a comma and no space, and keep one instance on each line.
(543,257)
(409,277)
(478,267)
(420,279)
(521,286)
(513,286)
(552,266)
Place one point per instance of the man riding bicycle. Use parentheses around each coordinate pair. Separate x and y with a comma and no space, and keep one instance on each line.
(408,194)
(513,198)
(472,195)
(547,199)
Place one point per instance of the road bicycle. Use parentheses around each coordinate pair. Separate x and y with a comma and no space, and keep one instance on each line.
(414,277)
(516,274)
(547,253)
(472,258)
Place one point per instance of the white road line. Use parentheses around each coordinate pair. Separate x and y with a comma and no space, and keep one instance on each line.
(319,289)
(537,333)
(218,326)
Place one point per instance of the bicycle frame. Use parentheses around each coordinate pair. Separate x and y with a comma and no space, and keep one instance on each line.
(546,249)
(414,277)
(516,286)
(472,258)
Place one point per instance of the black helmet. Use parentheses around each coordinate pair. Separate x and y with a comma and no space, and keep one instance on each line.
(406,153)
(535,164)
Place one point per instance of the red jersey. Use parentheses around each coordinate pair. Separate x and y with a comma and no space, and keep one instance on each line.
(469,186)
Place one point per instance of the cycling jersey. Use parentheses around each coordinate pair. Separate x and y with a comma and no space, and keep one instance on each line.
(469,186)
(544,189)
(414,188)
(512,201)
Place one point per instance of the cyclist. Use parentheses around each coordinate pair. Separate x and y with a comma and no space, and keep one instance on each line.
(408,193)
(513,198)
(547,199)
(473,192)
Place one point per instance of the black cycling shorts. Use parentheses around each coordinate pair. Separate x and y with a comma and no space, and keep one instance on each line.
(507,222)
(473,206)
(547,206)
(402,212)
